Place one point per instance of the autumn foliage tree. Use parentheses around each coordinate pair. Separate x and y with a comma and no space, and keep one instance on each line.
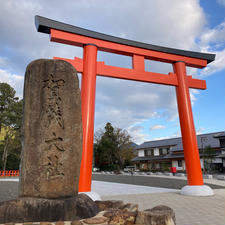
(112,148)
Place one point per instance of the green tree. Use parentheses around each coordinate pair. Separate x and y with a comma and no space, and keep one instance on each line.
(10,126)
(208,154)
(112,148)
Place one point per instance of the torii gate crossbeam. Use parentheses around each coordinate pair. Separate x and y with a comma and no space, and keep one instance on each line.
(92,42)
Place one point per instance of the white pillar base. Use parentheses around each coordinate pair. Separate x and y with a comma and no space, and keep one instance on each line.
(197,190)
(93,195)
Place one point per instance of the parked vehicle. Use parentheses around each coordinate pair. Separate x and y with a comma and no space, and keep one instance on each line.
(95,169)
(129,169)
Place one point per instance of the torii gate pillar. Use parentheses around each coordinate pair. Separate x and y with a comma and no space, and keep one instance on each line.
(88,111)
(191,154)
(89,67)
(190,146)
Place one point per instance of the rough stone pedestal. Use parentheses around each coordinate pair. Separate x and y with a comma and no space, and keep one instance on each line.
(40,209)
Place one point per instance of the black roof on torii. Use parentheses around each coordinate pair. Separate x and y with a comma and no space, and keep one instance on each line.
(44,25)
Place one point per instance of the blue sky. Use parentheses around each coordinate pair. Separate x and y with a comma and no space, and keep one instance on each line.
(147,111)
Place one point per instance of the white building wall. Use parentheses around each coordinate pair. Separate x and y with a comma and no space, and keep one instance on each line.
(141,153)
(175,164)
(217,160)
(156,151)
(183,163)
(202,164)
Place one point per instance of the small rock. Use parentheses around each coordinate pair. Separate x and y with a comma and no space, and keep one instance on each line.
(59,223)
(96,220)
(221,177)
(130,207)
(45,223)
(158,173)
(120,217)
(105,205)
(180,174)
(76,222)
(159,215)
(129,223)
(108,214)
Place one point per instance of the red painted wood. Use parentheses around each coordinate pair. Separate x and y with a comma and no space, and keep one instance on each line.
(136,74)
(88,111)
(189,139)
(78,40)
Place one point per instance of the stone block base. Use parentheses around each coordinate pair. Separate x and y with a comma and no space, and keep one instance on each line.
(38,209)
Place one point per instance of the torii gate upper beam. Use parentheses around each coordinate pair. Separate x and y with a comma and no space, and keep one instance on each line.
(72,35)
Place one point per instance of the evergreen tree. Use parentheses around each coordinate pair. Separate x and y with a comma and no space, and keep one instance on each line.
(10,127)
(112,148)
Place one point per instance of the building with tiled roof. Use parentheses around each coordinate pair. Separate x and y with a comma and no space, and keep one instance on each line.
(163,154)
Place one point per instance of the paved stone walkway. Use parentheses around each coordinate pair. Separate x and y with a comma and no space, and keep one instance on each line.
(188,210)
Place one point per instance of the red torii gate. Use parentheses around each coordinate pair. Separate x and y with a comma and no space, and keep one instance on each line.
(92,42)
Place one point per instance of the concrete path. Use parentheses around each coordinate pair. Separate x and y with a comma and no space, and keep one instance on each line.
(114,189)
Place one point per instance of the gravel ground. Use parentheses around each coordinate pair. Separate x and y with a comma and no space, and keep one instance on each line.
(147,181)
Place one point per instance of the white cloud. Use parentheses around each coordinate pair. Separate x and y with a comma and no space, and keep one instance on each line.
(175,135)
(3,61)
(221,2)
(157,127)
(193,95)
(200,130)
(138,134)
(14,80)
(214,35)
(213,41)
(216,66)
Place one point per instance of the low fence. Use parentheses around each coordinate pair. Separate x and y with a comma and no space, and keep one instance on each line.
(9,173)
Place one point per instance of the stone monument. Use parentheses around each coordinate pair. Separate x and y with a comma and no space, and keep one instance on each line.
(52,131)
(52,148)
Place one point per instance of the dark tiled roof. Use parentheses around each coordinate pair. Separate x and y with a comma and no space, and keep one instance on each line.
(176,143)
(174,156)
(220,135)
(159,143)
(149,158)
